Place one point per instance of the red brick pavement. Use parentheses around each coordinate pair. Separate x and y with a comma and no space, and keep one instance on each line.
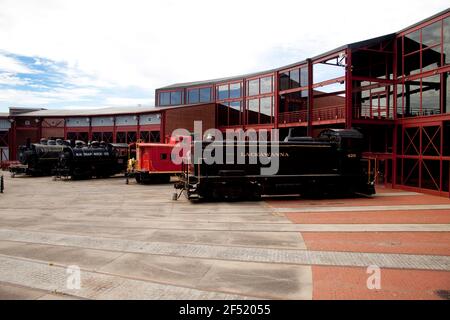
(351,283)
(376,201)
(372,217)
(433,243)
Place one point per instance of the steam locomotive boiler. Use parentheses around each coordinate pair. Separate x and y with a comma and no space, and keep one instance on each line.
(328,165)
(98,160)
(38,159)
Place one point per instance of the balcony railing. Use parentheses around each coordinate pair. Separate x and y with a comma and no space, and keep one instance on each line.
(366,112)
(320,114)
(329,113)
(293,117)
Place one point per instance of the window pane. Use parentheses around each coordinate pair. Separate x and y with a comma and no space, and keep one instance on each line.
(121,137)
(447,100)
(431,58)
(412,98)
(175,97)
(412,64)
(431,34)
(131,137)
(193,96)
(107,137)
(399,100)
(431,95)
(155,136)
(447,40)
(223,113)
(412,42)
(304,77)
(235,113)
(253,110)
(164,98)
(294,76)
(284,81)
(266,110)
(223,92)
(266,85)
(96,136)
(235,90)
(253,87)
(205,95)
(144,136)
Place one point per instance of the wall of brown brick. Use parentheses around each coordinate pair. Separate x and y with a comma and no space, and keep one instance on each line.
(185,117)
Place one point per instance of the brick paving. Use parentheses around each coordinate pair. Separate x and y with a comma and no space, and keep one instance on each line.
(427,243)
(369,217)
(389,208)
(351,283)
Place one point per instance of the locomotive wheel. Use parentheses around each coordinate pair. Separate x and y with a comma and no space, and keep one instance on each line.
(138,178)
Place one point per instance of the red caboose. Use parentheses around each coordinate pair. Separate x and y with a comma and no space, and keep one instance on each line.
(153,163)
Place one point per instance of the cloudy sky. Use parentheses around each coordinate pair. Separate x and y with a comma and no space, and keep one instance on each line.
(95,53)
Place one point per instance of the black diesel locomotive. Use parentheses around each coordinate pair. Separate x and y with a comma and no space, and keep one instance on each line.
(38,159)
(328,165)
(99,160)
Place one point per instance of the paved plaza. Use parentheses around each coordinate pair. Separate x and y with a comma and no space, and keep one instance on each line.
(134,242)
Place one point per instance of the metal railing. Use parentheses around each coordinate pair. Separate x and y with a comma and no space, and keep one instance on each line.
(319,114)
(329,113)
(293,117)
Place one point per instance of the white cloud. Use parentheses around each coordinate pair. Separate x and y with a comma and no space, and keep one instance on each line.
(11,65)
(12,80)
(16,97)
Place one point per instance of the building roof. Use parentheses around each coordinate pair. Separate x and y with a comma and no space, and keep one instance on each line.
(87,112)
(4,115)
(95,112)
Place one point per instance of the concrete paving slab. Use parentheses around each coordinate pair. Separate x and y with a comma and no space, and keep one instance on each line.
(185,272)
(242,278)
(278,256)
(81,257)
(260,280)
(14,292)
(95,285)
(53,296)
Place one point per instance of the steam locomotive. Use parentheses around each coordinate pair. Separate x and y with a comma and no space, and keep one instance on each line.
(328,165)
(98,159)
(38,159)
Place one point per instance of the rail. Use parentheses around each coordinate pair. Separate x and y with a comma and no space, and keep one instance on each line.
(319,114)
(329,113)
(292,117)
